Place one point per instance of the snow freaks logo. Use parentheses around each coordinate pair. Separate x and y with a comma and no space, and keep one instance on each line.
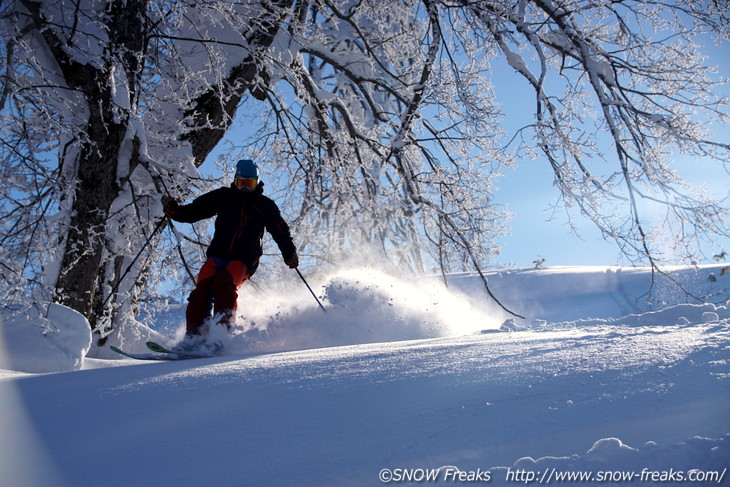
(444,474)
(548,476)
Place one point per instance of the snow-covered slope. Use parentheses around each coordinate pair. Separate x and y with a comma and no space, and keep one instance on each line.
(579,387)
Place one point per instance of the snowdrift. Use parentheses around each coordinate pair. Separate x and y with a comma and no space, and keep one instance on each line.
(52,340)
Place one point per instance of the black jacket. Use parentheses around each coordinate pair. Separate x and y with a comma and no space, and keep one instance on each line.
(240,223)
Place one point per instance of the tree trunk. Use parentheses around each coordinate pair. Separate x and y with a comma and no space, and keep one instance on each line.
(80,281)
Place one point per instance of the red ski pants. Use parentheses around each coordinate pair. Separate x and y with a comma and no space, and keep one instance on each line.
(218,281)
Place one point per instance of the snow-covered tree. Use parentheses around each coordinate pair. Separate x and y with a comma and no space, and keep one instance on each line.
(380,115)
(106,105)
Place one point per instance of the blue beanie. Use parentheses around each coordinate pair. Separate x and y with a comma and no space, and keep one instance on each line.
(246,168)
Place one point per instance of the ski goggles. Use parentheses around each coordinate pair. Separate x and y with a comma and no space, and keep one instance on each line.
(248,184)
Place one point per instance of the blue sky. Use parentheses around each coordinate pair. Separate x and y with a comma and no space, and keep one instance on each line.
(537,231)
(527,191)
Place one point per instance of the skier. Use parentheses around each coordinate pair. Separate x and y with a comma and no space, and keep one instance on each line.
(242,213)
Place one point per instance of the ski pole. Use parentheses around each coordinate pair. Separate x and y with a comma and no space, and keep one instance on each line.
(129,268)
(310,289)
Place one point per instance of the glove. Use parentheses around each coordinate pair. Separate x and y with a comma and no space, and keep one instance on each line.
(292,261)
(169,205)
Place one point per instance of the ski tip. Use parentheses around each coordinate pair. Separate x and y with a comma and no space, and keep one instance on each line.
(156,347)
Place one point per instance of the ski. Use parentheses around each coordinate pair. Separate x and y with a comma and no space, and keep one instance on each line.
(156,347)
(144,356)
(160,353)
